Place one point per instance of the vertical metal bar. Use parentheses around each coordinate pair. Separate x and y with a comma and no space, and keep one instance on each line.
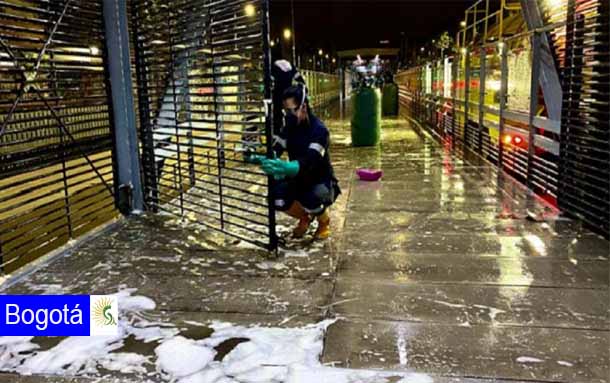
(503,99)
(474,23)
(62,142)
(536,44)
(64,177)
(124,116)
(501,29)
(186,95)
(435,105)
(149,165)
(486,20)
(572,91)
(294,41)
(172,78)
(482,91)
(273,239)
(218,127)
(111,123)
(466,96)
(465,30)
(454,75)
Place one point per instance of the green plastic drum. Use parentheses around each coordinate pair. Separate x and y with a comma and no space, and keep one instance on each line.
(366,119)
(390,99)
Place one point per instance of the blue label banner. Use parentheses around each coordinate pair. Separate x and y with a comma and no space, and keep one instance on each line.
(45,315)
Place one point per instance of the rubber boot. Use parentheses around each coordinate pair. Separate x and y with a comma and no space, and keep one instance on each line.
(323,231)
(296,211)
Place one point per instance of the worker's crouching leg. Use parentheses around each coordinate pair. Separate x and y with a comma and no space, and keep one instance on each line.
(317,202)
(284,200)
(283,196)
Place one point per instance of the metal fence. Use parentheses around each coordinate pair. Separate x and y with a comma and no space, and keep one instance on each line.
(203,75)
(323,88)
(495,100)
(56,176)
(585,139)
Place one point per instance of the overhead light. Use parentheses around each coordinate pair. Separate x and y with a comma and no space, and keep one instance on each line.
(320,52)
(249,10)
(334,60)
(272,43)
(94,51)
(287,34)
(463,24)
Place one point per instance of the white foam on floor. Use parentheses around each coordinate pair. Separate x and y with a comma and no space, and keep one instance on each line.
(12,350)
(565,364)
(85,355)
(296,253)
(180,357)
(529,359)
(125,362)
(269,354)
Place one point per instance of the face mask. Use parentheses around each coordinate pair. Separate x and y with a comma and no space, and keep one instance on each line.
(291,120)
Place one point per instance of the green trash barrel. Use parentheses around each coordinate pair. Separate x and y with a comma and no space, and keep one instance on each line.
(366,119)
(390,99)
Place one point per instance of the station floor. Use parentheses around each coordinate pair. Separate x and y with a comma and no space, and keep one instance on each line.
(443,268)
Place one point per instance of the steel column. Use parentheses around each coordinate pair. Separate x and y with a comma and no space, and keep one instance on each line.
(503,101)
(273,239)
(466,97)
(482,79)
(536,44)
(124,116)
(454,79)
(549,77)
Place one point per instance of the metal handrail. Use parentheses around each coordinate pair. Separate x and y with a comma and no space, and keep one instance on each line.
(474,12)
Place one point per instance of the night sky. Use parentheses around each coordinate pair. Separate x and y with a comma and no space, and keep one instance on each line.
(341,24)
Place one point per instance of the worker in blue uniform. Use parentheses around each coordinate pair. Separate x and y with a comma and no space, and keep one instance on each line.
(306,185)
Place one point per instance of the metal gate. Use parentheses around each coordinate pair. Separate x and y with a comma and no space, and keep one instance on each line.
(585,141)
(203,78)
(56,175)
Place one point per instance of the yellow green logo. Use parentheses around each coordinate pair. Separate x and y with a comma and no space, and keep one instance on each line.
(102,314)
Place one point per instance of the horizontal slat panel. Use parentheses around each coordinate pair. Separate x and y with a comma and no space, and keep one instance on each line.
(56,139)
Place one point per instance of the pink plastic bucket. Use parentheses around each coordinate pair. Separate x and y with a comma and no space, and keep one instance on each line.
(369,174)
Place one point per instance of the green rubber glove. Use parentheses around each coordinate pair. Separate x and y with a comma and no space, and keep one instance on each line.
(256,159)
(281,169)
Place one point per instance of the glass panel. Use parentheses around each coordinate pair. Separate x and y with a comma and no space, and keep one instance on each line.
(475,83)
(519,78)
(447,78)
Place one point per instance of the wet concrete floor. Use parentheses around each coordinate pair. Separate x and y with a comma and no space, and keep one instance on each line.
(443,267)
